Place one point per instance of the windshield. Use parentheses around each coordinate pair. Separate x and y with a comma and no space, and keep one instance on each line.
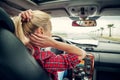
(106,33)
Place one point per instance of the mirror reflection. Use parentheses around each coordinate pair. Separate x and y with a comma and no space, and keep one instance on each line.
(84,23)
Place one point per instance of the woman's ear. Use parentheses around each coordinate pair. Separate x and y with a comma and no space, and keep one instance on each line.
(40,30)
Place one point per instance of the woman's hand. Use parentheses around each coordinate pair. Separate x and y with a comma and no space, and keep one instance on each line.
(41,40)
(26,15)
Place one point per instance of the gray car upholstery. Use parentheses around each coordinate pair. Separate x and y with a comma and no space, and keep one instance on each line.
(15,61)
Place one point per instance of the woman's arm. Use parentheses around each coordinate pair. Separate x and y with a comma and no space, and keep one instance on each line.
(44,41)
(70,49)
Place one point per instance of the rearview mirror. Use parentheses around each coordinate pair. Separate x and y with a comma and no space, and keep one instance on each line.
(84,23)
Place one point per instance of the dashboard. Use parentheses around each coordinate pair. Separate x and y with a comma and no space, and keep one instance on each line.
(97,66)
(85,69)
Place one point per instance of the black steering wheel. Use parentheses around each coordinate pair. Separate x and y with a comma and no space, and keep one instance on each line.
(57,51)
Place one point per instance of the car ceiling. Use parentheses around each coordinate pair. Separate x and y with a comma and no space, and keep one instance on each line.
(65,7)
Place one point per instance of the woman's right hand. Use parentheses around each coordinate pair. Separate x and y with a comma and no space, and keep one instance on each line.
(42,40)
(26,15)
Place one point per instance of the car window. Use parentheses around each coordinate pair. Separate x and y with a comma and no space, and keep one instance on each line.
(106,32)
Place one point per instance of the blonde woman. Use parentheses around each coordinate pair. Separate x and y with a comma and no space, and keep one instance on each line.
(35,33)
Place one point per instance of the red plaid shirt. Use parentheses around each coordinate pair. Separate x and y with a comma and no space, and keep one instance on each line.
(53,63)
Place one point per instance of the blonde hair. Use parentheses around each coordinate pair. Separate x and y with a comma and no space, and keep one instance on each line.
(24,29)
(39,19)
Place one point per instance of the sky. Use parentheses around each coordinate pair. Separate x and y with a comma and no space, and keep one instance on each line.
(64,25)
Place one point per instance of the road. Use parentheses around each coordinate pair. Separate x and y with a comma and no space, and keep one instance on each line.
(104,44)
(108,45)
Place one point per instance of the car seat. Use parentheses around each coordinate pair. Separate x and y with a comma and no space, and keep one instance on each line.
(15,61)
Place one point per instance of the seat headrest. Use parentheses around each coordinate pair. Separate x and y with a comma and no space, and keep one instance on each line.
(6,21)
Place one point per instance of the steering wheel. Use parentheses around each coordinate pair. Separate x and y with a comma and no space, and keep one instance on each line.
(57,51)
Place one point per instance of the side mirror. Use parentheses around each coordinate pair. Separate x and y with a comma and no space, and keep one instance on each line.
(84,23)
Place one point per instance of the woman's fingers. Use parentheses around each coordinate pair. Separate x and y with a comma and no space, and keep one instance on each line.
(39,35)
(36,38)
(35,41)
(38,44)
(39,40)
(26,15)
(22,16)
